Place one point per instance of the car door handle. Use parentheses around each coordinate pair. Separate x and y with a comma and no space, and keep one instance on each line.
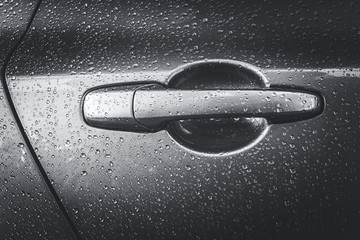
(148,107)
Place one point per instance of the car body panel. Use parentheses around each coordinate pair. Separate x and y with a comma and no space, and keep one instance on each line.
(27,207)
(298,182)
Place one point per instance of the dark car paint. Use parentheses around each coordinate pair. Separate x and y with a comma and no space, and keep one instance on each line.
(299,182)
(27,207)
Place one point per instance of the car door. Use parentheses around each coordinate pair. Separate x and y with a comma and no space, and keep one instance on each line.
(195,119)
(28,209)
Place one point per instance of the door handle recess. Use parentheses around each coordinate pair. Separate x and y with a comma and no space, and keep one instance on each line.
(148,107)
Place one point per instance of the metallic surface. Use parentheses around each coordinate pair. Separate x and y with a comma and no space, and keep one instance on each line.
(27,207)
(111,107)
(154,107)
(298,182)
(148,107)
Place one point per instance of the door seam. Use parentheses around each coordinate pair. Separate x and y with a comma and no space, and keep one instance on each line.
(39,166)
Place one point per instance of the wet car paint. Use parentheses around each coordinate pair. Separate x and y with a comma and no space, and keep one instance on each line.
(27,207)
(298,182)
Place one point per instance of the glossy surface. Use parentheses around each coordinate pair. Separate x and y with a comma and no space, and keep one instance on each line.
(297,182)
(149,107)
(27,207)
(111,107)
(154,106)
(218,135)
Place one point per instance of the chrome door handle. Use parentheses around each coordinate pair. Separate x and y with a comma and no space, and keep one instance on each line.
(148,107)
